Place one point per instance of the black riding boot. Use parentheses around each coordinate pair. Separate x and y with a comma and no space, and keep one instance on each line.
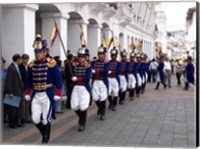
(110,102)
(102,110)
(47,131)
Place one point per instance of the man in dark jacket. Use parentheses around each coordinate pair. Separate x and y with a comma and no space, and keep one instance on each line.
(24,73)
(15,87)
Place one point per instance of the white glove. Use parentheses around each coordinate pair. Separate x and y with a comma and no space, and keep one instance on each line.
(74,78)
(56,98)
(109,72)
(64,97)
(93,71)
(27,97)
(11,95)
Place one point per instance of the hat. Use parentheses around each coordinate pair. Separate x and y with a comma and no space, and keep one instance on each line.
(83,52)
(25,56)
(102,50)
(138,55)
(132,54)
(39,45)
(123,52)
(114,51)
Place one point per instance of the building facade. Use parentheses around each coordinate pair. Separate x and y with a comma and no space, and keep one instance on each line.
(191,32)
(127,21)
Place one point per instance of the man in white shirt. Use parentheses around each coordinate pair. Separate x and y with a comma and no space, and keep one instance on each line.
(167,70)
(153,68)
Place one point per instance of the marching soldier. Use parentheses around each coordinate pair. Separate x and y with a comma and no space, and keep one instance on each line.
(189,70)
(144,74)
(81,92)
(114,79)
(161,74)
(138,71)
(123,76)
(43,75)
(100,69)
(131,80)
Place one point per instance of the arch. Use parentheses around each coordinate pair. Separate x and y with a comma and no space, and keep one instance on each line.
(75,15)
(92,21)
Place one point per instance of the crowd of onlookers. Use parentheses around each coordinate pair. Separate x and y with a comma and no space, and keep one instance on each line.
(14,78)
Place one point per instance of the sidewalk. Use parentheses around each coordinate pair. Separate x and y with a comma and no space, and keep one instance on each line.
(163,118)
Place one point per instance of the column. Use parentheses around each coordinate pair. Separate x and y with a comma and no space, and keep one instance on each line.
(18,30)
(47,25)
(74,42)
(94,39)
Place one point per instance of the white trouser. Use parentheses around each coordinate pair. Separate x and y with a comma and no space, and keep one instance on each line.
(146,76)
(80,98)
(114,87)
(99,91)
(41,105)
(139,80)
(131,81)
(123,83)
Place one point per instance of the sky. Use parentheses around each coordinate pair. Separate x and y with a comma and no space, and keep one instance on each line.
(176,13)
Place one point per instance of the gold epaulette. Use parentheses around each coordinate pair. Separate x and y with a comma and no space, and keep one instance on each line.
(31,63)
(51,62)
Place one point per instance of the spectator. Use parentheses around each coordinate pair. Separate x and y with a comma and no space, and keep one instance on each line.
(68,76)
(179,71)
(24,73)
(15,87)
(167,70)
(153,68)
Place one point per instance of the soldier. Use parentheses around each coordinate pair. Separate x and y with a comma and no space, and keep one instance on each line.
(114,82)
(189,70)
(43,75)
(131,80)
(81,92)
(139,73)
(144,70)
(161,73)
(123,76)
(100,69)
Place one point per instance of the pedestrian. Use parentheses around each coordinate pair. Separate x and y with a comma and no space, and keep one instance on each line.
(24,73)
(161,73)
(45,81)
(153,68)
(123,77)
(189,73)
(114,82)
(68,76)
(15,87)
(144,69)
(100,86)
(131,77)
(168,72)
(81,93)
(179,71)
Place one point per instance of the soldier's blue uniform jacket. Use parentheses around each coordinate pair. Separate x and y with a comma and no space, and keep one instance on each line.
(190,73)
(115,68)
(135,66)
(142,69)
(44,76)
(101,71)
(125,69)
(83,72)
(161,71)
